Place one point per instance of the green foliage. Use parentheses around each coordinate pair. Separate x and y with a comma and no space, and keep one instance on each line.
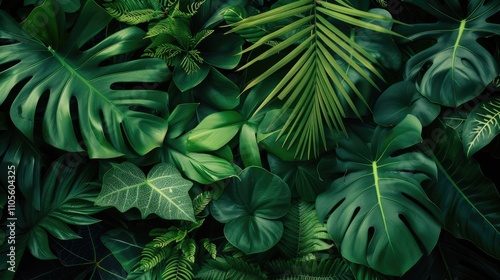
(303,232)
(455,68)
(401,99)
(65,199)
(250,207)
(225,268)
(481,126)
(469,201)
(178,268)
(313,85)
(65,81)
(377,201)
(310,268)
(163,192)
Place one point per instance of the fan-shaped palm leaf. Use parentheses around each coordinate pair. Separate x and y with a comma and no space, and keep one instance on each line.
(313,84)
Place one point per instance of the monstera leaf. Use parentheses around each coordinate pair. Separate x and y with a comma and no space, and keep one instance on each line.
(163,192)
(380,215)
(46,69)
(251,207)
(456,68)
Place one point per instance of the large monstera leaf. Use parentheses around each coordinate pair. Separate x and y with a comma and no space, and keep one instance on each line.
(45,69)
(380,215)
(456,68)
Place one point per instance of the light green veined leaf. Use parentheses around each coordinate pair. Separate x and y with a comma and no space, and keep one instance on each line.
(163,192)
(481,126)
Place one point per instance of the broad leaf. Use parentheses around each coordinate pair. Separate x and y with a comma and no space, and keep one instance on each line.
(65,198)
(481,126)
(214,131)
(401,99)
(456,68)
(377,203)
(124,246)
(48,71)
(179,119)
(163,192)
(470,202)
(251,206)
(218,91)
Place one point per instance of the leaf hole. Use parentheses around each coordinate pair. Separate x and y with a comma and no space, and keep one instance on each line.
(73,110)
(7,65)
(415,236)
(334,208)
(418,203)
(371,233)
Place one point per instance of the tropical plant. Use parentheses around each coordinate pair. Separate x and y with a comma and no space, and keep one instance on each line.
(242,139)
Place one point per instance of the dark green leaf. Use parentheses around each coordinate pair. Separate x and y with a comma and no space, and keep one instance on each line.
(185,81)
(218,91)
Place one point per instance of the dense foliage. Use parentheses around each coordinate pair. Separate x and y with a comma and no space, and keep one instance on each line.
(249,139)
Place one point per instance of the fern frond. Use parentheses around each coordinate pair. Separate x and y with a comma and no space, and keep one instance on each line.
(168,52)
(201,201)
(134,11)
(178,268)
(194,7)
(151,257)
(190,62)
(210,247)
(303,232)
(310,268)
(171,235)
(200,36)
(188,248)
(316,81)
(481,126)
(230,268)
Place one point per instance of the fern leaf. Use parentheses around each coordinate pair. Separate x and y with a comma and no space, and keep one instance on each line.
(210,247)
(173,234)
(310,268)
(201,201)
(188,248)
(178,268)
(200,36)
(481,126)
(190,62)
(151,257)
(303,232)
(133,11)
(230,268)
(193,7)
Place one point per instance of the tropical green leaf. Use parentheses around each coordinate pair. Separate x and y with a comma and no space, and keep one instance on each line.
(185,81)
(302,177)
(251,206)
(49,67)
(456,68)
(214,131)
(377,203)
(134,11)
(401,99)
(303,232)
(163,192)
(310,268)
(26,158)
(308,87)
(481,126)
(249,148)
(224,56)
(252,33)
(124,246)
(226,268)
(469,201)
(65,198)
(218,91)
(179,119)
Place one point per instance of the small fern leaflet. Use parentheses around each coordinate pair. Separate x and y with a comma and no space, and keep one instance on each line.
(481,126)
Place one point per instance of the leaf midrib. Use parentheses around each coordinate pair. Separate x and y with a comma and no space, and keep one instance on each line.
(379,202)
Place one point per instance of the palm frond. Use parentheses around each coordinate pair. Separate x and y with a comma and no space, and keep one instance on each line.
(313,85)
(252,33)
(303,234)
(178,268)
(230,268)
(310,268)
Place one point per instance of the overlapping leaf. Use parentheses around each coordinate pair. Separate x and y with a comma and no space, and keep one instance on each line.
(377,203)
(48,70)
(456,68)
(163,192)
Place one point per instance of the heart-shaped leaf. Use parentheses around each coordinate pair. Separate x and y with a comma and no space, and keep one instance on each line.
(251,206)
(378,214)
(401,99)
(164,191)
